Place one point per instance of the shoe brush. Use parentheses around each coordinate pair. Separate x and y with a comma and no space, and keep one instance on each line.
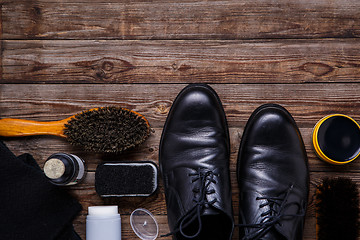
(337,209)
(105,129)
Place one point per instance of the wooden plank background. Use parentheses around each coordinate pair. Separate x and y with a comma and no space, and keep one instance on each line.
(61,57)
(173,19)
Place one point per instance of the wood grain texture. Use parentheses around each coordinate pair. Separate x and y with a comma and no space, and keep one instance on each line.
(85,192)
(231,19)
(116,61)
(307,102)
(59,57)
(156,204)
(42,147)
(1,41)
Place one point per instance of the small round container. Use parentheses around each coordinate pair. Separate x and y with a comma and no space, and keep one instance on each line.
(64,169)
(144,224)
(336,139)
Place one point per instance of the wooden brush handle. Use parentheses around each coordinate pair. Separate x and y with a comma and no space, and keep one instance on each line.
(10,127)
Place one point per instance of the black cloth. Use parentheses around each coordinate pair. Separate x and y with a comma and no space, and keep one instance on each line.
(30,206)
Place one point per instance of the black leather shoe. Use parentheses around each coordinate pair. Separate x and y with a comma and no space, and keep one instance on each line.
(273,176)
(194,161)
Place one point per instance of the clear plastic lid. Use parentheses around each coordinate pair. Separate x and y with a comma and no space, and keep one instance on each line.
(144,224)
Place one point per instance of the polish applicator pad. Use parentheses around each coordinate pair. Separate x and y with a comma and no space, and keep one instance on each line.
(126,179)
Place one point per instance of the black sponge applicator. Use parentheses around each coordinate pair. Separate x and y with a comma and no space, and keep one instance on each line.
(125,179)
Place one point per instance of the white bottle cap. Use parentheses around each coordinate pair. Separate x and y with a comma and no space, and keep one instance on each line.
(103,222)
(103,210)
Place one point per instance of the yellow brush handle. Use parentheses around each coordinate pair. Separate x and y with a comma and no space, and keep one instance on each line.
(10,127)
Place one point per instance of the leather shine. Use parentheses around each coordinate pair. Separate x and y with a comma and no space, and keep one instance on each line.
(271,158)
(195,136)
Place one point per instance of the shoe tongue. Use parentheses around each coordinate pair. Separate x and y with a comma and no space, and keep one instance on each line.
(211,211)
(287,224)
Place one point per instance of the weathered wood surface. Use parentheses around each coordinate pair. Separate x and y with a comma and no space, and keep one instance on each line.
(307,103)
(159,209)
(42,147)
(156,203)
(61,57)
(116,61)
(231,19)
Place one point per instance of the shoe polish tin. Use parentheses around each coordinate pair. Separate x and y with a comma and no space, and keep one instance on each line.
(64,169)
(336,139)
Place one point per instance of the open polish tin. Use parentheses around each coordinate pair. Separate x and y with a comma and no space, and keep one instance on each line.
(336,139)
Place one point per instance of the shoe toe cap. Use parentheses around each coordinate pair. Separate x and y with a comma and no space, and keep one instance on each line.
(272,154)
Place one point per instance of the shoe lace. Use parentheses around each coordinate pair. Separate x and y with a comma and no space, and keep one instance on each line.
(273,216)
(206,177)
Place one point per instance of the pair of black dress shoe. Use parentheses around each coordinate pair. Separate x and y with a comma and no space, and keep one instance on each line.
(272,171)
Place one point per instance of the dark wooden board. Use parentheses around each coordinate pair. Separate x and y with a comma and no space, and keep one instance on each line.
(42,147)
(85,192)
(231,19)
(59,57)
(116,61)
(156,204)
(307,102)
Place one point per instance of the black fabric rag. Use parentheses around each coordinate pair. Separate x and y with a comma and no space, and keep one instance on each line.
(30,206)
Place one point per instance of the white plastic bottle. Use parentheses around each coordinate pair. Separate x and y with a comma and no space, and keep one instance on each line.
(103,222)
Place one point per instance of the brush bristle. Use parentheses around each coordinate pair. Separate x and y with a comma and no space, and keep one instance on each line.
(107,129)
(337,207)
